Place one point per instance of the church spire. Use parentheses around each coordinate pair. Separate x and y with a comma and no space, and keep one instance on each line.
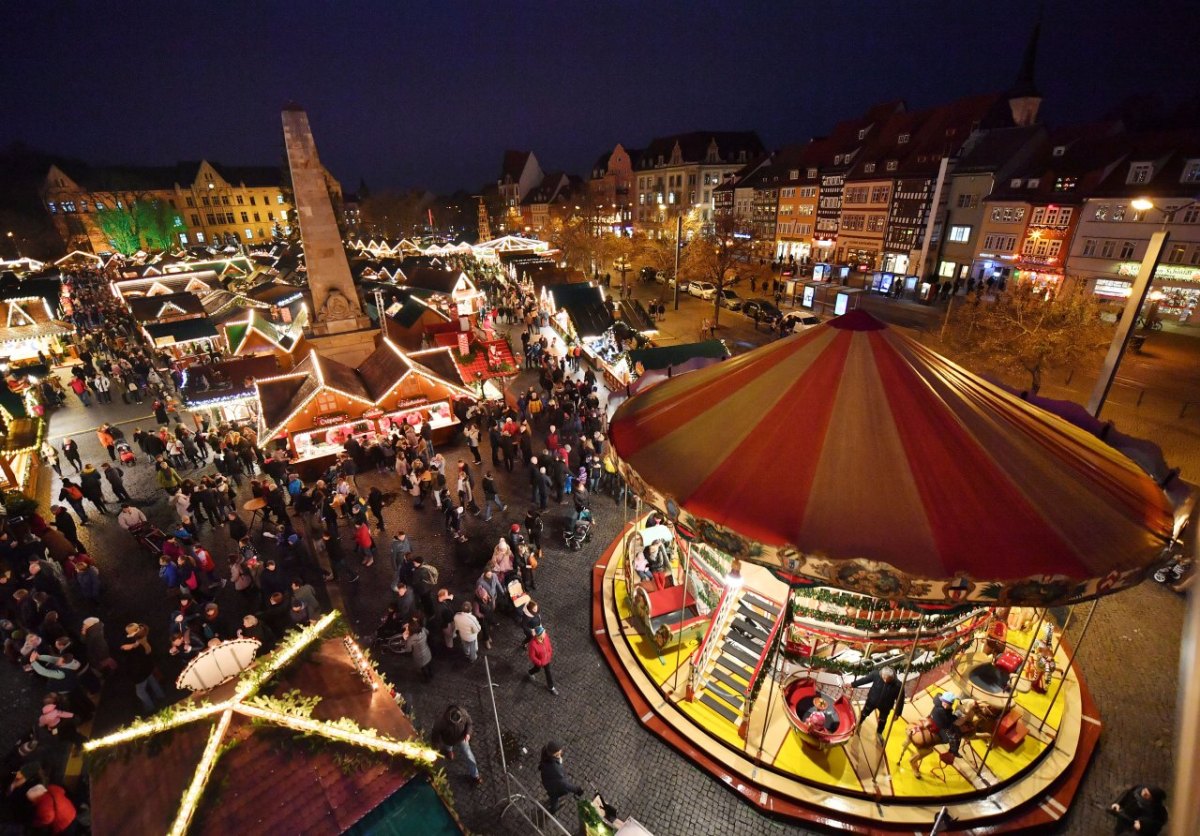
(1024,99)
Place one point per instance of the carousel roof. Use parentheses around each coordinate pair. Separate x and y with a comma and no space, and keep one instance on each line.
(854,455)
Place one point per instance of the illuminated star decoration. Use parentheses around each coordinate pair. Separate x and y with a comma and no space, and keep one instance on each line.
(242,702)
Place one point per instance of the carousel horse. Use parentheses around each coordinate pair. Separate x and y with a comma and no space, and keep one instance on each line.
(974,718)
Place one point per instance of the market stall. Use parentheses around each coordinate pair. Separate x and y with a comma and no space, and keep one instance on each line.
(925,523)
(312,411)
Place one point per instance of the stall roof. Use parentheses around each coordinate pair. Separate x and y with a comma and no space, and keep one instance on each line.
(181,330)
(439,363)
(270,777)
(226,379)
(432,278)
(153,308)
(662,357)
(279,397)
(636,316)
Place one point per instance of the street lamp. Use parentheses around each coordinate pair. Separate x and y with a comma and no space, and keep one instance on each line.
(1133,305)
(16,247)
(622,266)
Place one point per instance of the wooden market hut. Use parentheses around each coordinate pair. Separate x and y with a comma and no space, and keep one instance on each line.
(316,407)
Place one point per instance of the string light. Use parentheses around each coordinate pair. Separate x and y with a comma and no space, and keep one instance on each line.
(343,731)
(191,798)
(361,664)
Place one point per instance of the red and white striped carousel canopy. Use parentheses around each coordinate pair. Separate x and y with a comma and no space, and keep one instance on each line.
(854,455)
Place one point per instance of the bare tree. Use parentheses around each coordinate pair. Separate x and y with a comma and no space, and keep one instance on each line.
(1024,331)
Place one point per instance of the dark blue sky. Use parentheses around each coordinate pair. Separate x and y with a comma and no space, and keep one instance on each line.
(411,93)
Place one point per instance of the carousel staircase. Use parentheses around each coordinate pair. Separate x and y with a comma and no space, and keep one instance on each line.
(738,644)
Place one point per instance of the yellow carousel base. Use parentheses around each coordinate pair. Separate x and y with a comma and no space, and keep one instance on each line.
(866,785)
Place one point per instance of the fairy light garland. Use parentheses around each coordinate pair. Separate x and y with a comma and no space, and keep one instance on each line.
(243,703)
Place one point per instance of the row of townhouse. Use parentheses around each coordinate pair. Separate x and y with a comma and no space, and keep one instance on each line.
(207,203)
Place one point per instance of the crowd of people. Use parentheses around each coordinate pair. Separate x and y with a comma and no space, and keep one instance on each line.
(327,529)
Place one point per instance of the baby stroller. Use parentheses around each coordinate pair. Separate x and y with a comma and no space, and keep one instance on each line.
(575,536)
(126,454)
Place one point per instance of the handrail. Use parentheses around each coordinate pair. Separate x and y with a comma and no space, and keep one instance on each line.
(706,651)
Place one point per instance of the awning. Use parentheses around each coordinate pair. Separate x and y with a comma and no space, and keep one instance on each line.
(857,457)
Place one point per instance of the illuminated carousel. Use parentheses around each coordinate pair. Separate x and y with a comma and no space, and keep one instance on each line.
(845,507)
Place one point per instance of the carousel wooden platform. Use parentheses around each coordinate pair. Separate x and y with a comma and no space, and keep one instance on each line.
(861,786)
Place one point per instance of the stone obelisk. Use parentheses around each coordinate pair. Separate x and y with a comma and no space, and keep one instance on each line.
(338,328)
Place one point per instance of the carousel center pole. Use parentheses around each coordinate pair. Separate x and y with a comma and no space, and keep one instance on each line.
(912,655)
(1012,693)
(1070,661)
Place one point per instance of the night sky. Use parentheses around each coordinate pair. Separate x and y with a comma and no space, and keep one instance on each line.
(430,94)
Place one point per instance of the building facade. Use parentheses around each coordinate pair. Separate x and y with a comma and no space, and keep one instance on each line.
(209,203)
(1111,238)
(987,161)
(610,190)
(679,173)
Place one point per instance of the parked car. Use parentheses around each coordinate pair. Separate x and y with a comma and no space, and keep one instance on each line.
(765,308)
(797,321)
(730,299)
(649,274)
(705,290)
(683,284)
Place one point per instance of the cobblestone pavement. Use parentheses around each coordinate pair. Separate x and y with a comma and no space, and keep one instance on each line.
(1129,657)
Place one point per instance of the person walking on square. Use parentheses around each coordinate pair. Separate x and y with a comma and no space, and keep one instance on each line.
(554,776)
(491,497)
(452,735)
(468,628)
(1141,810)
(541,653)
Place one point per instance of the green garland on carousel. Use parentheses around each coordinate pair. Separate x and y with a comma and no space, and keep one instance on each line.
(865,666)
(930,622)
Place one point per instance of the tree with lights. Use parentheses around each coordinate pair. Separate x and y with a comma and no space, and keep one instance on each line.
(716,253)
(1024,331)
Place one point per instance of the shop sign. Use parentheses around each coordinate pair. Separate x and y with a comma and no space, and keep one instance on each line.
(410,402)
(332,418)
(373,413)
(1178,272)
(464,344)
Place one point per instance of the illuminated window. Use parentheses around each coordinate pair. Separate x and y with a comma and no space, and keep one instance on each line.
(52,206)
(960,234)
(891,165)
(1118,212)
(869,168)
(1140,172)
(279,198)
(99,205)
(326,402)
(199,237)
(249,233)
(946,269)
(1191,172)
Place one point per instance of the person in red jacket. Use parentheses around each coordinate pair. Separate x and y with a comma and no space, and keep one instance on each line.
(53,812)
(365,543)
(540,654)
